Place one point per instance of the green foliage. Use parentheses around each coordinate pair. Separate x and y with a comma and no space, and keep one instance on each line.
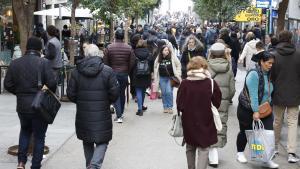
(109,8)
(222,10)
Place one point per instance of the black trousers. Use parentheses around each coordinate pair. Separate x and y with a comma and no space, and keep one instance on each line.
(245,118)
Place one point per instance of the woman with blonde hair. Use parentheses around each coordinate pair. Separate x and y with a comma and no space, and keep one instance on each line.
(194,98)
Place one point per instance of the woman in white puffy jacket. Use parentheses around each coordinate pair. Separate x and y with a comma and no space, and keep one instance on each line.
(249,50)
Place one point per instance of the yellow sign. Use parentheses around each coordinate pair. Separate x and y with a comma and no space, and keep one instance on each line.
(251,14)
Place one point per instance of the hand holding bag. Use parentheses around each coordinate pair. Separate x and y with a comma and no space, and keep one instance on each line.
(216,114)
(261,142)
(45,103)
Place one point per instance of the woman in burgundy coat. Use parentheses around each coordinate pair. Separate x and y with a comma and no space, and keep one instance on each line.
(194,100)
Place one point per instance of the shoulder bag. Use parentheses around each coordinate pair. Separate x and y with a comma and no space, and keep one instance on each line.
(175,82)
(45,103)
(265,109)
(216,114)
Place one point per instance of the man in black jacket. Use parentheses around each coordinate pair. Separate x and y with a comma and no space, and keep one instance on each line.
(286,96)
(93,86)
(22,80)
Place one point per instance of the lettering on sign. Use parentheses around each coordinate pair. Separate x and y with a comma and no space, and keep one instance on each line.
(251,14)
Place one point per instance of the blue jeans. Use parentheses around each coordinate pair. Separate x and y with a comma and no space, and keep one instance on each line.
(94,155)
(140,95)
(167,92)
(32,125)
(120,103)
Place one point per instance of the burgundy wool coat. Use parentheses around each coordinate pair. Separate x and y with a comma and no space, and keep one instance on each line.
(194,101)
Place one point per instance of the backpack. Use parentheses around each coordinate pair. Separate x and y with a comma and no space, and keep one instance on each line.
(142,67)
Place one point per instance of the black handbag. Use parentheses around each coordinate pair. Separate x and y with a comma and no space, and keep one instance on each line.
(45,103)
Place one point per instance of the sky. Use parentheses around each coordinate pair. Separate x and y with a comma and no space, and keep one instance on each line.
(176,5)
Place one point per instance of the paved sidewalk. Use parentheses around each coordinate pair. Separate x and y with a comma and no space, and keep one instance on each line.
(138,143)
(57,134)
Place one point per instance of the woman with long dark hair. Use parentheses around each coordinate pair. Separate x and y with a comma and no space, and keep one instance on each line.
(166,66)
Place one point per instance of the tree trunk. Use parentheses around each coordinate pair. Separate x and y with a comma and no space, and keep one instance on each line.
(24,16)
(71,44)
(111,29)
(281,15)
(137,19)
(126,30)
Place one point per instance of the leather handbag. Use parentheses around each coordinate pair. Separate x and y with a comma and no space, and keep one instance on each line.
(175,82)
(265,109)
(45,103)
(216,114)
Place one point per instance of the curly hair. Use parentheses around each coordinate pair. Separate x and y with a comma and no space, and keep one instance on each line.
(198,44)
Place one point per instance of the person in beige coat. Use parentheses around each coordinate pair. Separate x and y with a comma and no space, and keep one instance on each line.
(166,65)
(220,69)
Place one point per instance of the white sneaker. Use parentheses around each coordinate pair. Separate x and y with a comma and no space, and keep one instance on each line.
(118,120)
(241,157)
(213,156)
(276,153)
(270,164)
(293,158)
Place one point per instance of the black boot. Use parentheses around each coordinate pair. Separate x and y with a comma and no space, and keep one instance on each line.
(139,113)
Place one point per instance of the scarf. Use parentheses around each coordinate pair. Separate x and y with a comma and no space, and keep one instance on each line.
(191,49)
(198,74)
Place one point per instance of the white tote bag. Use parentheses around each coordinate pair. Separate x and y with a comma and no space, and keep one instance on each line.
(216,115)
(261,142)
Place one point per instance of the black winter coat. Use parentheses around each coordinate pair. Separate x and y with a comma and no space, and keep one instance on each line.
(285,75)
(142,81)
(186,55)
(22,79)
(93,86)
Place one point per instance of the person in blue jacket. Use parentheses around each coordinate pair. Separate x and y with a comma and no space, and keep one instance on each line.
(257,90)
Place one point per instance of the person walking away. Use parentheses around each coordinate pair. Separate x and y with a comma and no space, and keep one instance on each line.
(120,57)
(166,66)
(235,53)
(220,70)
(142,74)
(192,47)
(258,88)
(22,80)
(93,87)
(286,97)
(248,51)
(194,98)
(53,52)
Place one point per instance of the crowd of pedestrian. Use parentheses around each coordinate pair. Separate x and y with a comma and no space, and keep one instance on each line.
(201,61)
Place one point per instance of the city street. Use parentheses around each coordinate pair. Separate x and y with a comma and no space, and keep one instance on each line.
(138,143)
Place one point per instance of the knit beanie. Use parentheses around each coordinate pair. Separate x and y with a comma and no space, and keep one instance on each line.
(217,49)
(34,43)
